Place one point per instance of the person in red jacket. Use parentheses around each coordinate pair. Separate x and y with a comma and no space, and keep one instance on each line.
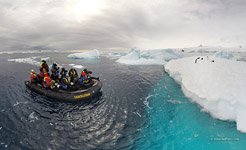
(44,68)
(48,82)
(86,75)
(83,74)
(33,77)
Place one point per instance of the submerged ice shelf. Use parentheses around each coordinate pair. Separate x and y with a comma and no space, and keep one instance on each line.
(218,87)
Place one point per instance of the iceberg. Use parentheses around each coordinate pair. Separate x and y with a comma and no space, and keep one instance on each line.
(134,58)
(224,54)
(85,55)
(148,57)
(115,55)
(216,84)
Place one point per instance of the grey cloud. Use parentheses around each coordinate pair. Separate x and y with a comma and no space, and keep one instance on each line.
(218,8)
(149,24)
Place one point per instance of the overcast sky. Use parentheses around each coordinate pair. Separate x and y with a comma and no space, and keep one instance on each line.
(102,24)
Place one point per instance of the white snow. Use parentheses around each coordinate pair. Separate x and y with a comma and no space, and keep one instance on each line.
(78,66)
(30,60)
(71,64)
(148,57)
(85,55)
(218,87)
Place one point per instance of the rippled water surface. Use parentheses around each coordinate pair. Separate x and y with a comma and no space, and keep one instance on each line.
(140,107)
(110,121)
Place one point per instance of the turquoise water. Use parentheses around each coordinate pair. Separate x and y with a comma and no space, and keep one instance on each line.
(176,123)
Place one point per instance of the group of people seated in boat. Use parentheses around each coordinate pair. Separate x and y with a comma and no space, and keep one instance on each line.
(60,78)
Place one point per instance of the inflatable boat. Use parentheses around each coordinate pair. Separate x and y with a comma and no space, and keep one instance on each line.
(68,96)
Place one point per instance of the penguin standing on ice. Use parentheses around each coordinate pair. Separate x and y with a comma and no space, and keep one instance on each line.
(197,59)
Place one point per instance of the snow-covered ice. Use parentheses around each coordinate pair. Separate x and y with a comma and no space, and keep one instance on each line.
(218,87)
(85,55)
(71,64)
(29,52)
(148,57)
(212,49)
(30,60)
(76,66)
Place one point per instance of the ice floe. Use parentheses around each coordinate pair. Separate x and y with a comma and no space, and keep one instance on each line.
(29,60)
(29,51)
(85,55)
(148,57)
(71,64)
(36,61)
(76,66)
(216,84)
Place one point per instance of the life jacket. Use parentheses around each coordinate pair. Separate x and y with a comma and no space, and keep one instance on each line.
(85,77)
(41,73)
(44,65)
(86,81)
(46,73)
(65,80)
(33,76)
(47,81)
(41,64)
(83,74)
(72,72)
